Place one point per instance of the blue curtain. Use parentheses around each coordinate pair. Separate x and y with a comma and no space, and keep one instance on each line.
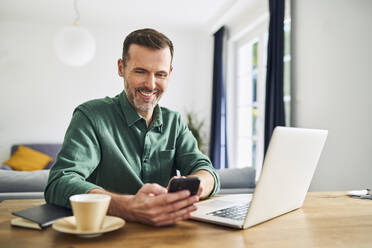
(218,148)
(274,105)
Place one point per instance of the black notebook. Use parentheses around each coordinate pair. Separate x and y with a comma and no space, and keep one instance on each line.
(40,217)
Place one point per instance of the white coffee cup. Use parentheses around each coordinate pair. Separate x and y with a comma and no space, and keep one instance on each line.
(89,210)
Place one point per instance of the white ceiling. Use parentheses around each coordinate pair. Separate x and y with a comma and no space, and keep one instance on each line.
(172,13)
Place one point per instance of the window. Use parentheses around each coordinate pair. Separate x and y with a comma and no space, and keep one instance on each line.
(246,82)
(246,95)
(247,106)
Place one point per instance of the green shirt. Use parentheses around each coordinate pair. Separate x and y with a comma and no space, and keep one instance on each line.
(108,145)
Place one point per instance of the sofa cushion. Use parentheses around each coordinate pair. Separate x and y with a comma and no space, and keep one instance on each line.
(27,159)
(21,195)
(51,149)
(228,191)
(23,181)
(5,167)
(237,178)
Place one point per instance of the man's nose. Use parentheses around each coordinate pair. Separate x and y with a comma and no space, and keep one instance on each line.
(151,82)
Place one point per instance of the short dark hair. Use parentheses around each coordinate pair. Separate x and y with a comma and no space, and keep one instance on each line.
(146,37)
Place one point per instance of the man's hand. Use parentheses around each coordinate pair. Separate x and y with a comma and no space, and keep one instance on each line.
(152,205)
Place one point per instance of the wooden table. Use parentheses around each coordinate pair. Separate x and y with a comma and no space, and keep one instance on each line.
(328,219)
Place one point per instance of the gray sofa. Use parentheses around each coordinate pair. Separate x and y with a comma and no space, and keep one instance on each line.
(237,181)
(30,185)
(25,184)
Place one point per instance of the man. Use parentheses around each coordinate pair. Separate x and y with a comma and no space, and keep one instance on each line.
(129,147)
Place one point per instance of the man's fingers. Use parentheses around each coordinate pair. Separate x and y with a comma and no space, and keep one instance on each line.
(165,199)
(153,188)
(171,211)
(172,218)
(181,204)
(156,207)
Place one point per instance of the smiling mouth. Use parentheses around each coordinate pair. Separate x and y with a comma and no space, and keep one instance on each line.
(147,93)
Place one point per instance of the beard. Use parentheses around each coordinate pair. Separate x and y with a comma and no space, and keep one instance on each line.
(140,104)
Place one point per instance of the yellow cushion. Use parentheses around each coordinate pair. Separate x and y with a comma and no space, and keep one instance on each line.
(27,159)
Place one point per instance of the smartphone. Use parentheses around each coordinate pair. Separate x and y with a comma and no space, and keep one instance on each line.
(189,183)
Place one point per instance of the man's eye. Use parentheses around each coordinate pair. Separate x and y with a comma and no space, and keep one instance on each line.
(161,75)
(139,71)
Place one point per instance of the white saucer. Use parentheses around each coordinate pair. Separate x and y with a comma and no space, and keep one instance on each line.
(68,225)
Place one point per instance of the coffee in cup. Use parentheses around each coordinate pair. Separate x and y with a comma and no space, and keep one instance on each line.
(89,210)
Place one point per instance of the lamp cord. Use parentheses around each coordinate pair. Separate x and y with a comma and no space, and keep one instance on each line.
(77,18)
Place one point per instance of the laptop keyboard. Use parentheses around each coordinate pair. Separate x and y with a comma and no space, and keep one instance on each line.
(234,212)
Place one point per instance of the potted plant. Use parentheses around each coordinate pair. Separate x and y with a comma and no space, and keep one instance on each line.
(195,127)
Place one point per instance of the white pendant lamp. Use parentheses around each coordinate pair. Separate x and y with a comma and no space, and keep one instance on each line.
(74,45)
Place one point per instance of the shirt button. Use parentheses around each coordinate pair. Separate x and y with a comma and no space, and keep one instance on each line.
(145,160)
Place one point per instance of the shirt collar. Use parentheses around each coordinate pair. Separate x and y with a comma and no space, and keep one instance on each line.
(132,116)
(129,112)
(157,119)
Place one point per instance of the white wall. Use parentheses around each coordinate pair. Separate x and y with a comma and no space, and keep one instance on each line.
(38,93)
(332,84)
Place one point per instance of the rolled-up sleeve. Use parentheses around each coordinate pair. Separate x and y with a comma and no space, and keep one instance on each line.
(189,159)
(75,162)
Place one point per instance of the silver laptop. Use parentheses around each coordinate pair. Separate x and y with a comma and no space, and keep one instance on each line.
(288,168)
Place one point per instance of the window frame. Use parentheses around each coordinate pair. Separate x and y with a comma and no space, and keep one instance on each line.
(257,31)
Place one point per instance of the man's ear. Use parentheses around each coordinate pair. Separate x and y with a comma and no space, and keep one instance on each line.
(120,68)
(170,70)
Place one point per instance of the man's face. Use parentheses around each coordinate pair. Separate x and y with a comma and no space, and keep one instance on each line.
(146,75)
